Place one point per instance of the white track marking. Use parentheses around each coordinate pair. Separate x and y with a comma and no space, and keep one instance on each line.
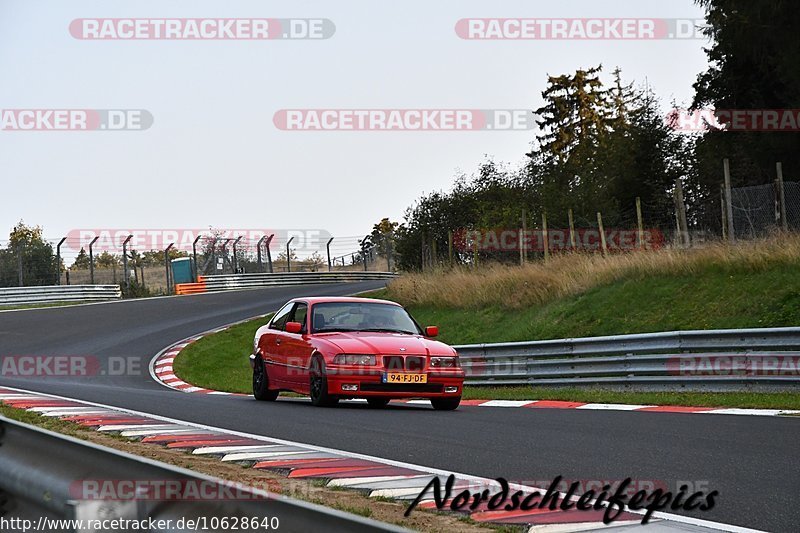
(389,462)
(612,407)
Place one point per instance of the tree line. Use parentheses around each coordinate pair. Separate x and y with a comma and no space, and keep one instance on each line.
(603,144)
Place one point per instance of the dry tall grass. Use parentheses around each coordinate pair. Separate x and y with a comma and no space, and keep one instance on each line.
(538,283)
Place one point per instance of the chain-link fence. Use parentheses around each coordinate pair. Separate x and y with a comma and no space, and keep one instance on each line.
(142,264)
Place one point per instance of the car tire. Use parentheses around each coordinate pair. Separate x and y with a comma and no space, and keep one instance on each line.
(445,404)
(377,403)
(318,385)
(261,390)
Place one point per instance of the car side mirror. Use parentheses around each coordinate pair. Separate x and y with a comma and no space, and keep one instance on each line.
(294,327)
(432,331)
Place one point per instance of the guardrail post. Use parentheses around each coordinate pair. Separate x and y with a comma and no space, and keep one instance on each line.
(194,257)
(91,260)
(166,265)
(58,260)
(328,248)
(288,256)
(269,253)
(235,260)
(126,275)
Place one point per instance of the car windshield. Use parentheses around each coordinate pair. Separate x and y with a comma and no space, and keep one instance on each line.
(347,316)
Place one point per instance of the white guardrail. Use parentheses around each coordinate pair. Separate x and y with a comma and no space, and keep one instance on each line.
(58,293)
(736,359)
(232,282)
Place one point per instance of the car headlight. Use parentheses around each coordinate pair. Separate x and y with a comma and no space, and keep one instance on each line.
(354,359)
(444,362)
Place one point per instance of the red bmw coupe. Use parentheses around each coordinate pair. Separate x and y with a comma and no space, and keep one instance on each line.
(333,348)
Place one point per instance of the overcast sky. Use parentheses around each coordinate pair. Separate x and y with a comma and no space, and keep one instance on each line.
(213,156)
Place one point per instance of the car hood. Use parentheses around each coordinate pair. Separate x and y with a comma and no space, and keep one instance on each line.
(383,343)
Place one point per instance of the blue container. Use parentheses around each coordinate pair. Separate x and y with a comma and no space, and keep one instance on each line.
(182,270)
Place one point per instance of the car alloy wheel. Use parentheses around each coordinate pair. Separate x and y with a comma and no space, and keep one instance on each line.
(261,389)
(318,385)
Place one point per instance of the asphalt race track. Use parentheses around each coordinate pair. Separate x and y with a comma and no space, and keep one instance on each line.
(752,461)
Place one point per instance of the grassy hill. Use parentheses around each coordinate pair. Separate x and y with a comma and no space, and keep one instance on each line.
(755,284)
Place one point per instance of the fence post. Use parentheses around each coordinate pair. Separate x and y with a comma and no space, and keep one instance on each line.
(19,265)
(364,251)
(724,215)
(269,254)
(288,256)
(389,251)
(450,247)
(166,266)
(522,241)
(602,233)
(91,260)
(782,197)
(639,223)
(728,202)
(571,229)
(126,276)
(58,260)
(235,259)
(258,252)
(194,256)
(545,236)
(680,213)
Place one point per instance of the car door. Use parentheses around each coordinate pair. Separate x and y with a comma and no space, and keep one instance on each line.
(271,344)
(295,346)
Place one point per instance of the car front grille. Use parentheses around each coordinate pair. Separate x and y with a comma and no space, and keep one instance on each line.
(397,363)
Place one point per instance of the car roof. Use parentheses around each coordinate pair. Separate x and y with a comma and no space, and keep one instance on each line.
(342,299)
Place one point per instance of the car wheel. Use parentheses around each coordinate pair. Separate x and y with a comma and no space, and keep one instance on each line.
(318,385)
(445,404)
(261,390)
(377,403)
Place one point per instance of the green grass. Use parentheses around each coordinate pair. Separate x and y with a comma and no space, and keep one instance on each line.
(220,361)
(709,299)
(766,400)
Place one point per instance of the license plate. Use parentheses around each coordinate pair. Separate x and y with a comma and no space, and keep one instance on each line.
(396,377)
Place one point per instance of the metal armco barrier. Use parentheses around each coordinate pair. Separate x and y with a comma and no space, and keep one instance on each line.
(740,359)
(59,293)
(44,475)
(252,281)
